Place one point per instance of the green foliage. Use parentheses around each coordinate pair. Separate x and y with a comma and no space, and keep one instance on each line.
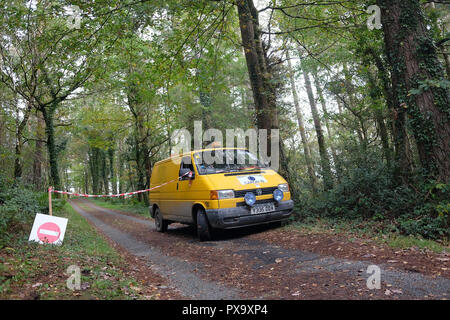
(424,221)
(118,87)
(42,198)
(18,207)
(368,193)
(103,268)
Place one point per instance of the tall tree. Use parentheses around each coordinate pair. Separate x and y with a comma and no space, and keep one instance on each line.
(45,75)
(38,152)
(258,69)
(317,84)
(324,158)
(418,83)
(301,126)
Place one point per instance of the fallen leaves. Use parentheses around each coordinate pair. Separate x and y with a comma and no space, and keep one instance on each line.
(85,286)
(137,289)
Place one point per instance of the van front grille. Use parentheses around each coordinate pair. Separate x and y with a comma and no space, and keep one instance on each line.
(241,193)
(243,204)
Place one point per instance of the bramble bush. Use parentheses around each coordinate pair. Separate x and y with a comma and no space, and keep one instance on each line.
(369,193)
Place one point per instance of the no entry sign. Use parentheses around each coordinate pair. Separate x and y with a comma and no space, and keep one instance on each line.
(49,232)
(48,229)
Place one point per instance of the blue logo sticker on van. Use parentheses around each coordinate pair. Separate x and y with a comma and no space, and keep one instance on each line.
(251,179)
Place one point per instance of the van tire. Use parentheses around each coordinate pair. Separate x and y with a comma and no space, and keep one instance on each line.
(160,224)
(204,230)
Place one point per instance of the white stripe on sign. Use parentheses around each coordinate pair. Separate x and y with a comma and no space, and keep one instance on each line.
(49,232)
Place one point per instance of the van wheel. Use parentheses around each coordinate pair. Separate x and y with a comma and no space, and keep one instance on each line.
(204,230)
(160,223)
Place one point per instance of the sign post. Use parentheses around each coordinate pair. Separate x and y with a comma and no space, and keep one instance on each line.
(50,200)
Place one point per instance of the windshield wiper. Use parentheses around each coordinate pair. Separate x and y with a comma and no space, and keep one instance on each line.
(250,168)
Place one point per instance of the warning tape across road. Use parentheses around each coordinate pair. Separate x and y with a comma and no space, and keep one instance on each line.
(50,189)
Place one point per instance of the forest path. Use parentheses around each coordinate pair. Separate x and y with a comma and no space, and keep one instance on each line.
(246,264)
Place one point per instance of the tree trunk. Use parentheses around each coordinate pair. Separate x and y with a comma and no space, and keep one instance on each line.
(413,59)
(139,169)
(112,171)
(104,172)
(38,154)
(337,163)
(383,136)
(95,169)
(260,77)
(141,153)
(3,139)
(324,159)
(339,104)
(121,182)
(19,142)
(447,64)
(286,171)
(375,95)
(205,100)
(353,107)
(18,158)
(86,181)
(135,103)
(387,92)
(301,127)
(48,114)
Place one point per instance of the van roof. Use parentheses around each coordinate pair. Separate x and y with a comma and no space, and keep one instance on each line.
(194,151)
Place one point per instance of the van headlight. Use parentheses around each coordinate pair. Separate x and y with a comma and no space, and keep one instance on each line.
(225,194)
(250,198)
(284,187)
(278,195)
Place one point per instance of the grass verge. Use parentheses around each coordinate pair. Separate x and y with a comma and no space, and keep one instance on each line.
(367,229)
(34,271)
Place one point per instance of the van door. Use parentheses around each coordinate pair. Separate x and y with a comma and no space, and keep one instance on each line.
(168,191)
(185,197)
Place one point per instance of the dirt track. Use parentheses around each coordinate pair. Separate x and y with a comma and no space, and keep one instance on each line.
(260,263)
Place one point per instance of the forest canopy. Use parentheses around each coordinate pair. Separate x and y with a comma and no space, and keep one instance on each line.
(92,92)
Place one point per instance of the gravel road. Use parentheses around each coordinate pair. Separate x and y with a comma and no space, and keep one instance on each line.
(238,266)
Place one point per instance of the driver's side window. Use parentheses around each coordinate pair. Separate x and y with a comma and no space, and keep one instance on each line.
(186,166)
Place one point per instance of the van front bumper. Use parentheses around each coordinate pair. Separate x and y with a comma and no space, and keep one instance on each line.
(228,218)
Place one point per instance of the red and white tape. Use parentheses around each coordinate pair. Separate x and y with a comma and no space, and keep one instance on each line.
(50,189)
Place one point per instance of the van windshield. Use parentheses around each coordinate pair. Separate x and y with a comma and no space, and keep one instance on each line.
(225,160)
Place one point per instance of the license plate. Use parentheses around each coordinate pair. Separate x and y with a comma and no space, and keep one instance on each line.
(262,208)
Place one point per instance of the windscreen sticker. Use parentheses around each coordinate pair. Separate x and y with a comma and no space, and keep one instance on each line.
(251,179)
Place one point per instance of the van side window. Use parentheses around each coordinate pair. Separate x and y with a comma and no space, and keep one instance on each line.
(186,165)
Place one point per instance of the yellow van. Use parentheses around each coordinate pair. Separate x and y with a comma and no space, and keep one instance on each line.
(236,190)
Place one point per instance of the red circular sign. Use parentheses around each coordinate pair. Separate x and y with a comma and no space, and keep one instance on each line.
(48,232)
